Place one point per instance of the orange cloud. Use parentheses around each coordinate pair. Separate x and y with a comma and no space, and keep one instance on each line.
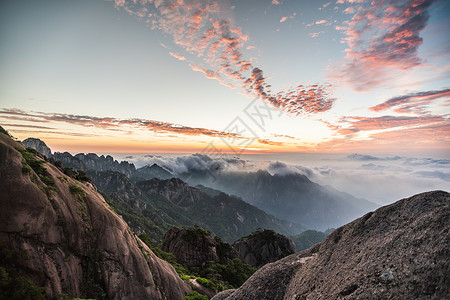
(179,57)
(112,123)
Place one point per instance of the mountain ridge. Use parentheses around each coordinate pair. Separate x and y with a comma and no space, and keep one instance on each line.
(66,238)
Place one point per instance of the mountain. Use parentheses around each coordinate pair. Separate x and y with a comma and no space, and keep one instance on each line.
(400,251)
(210,264)
(262,247)
(167,203)
(92,161)
(149,172)
(308,238)
(60,239)
(38,145)
(291,197)
(195,247)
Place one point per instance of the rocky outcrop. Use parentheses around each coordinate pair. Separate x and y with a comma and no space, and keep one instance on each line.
(65,237)
(195,247)
(262,247)
(92,161)
(38,145)
(400,251)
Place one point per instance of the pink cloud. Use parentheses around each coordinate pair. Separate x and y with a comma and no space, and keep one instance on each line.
(276,2)
(179,57)
(283,19)
(202,29)
(383,37)
(316,34)
(412,103)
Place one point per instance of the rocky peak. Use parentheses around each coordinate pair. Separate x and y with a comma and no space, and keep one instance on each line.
(38,145)
(400,251)
(195,247)
(149,172)
(262,247)
(174,190)
(66,239)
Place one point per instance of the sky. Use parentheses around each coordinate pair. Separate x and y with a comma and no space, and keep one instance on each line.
(231,76)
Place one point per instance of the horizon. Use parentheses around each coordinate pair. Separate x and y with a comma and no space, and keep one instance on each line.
(197,76)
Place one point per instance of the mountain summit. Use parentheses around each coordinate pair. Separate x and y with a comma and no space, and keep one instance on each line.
(400,251)
(58,236)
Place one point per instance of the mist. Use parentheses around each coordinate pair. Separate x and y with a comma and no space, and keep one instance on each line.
(380,179)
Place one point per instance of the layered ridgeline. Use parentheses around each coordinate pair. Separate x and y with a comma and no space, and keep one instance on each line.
(291,197)
(154,206)
(400,251)
(60,239)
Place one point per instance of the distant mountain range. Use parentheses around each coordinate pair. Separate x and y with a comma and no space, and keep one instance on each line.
(290,197)
(154,206)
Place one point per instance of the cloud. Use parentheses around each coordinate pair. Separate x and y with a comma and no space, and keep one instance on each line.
(282,169)
(435,174)
(276,2)
(355,124)
(383,38)
(114,123)
(397,179)
(316,34)
(179,57)
(413,102)
(194,163)
(283,19)
(205,30)
(365,157)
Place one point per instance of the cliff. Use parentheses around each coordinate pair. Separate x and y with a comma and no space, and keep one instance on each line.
(262,247)
(61,234)
(400,251)
(38,145)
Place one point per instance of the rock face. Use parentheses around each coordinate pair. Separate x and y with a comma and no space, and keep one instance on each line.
(38,145)
(68,240)
(195,247)
(262,247)
(400,251)
(92,161)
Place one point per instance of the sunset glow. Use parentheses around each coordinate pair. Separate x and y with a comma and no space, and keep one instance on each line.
(269,77)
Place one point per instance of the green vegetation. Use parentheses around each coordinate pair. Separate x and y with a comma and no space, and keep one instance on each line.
(32,163)
(78,175)
(215,275)
(308,238)
(3,130)
(78,192)
(194,233)
(183,272)
(195,296)
(225,276)
(13,284)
